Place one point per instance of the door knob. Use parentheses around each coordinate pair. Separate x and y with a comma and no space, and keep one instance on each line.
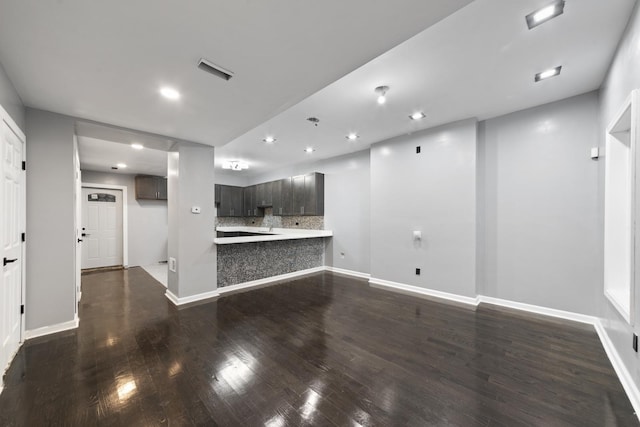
(8,261)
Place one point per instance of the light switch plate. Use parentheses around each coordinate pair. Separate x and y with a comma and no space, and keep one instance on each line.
(172,264)
(595,153)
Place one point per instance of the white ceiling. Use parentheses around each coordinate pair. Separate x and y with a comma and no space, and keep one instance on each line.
(100,155)
(479,62)
(106,60)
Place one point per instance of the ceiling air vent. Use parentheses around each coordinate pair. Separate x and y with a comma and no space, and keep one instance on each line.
(214,69)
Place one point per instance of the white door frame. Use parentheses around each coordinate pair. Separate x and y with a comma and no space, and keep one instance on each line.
(125,220)
(4,116)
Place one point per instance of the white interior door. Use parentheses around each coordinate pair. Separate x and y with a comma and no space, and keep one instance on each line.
(11,218)
(101,227)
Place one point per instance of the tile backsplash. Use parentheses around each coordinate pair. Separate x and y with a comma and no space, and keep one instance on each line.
(269,220)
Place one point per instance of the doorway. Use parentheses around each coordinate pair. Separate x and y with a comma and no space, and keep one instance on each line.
(12,226)
(102,228)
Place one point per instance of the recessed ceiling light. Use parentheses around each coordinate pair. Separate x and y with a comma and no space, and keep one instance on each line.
(269,140)
(121,165)
(382,94)
(170,93)
(309,150)
(417,115)
(352,136)
(551,72)
(544,14)
(137,146)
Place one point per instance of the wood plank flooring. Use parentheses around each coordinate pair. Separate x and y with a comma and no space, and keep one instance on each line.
(320,350)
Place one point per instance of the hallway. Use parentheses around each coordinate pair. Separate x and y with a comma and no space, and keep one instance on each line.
(320,350)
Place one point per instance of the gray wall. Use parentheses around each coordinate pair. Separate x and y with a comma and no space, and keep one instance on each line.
(541,206)
(238,179)
(148,223)
(623,77)
(347,206)
(191,235)
(433,192)
(10,100)
(50,220)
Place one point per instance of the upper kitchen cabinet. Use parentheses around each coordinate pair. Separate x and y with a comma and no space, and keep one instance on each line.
(230,204)
(264,194)
(282,197)
(151,187)
(308,194)
(250,202)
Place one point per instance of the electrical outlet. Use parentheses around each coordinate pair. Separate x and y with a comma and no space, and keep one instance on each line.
(417,271)
(635,343)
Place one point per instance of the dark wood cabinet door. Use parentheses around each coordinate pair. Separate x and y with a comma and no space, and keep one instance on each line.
(267,198)
(286,194)
(298,194)
(260,194)
(276,197)
(224,209)
(314,194)
(236,201)
(249,200)
(161,185)
(146,187)
(216,193)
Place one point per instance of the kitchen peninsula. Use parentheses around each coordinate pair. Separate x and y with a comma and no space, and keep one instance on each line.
(254,253)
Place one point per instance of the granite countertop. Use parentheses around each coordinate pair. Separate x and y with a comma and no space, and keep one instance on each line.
(269,235)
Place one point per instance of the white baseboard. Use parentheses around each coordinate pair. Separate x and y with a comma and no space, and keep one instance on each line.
(417,291)
(552,312)
(624,375)
(267,280)
(192,298)
(347,272)
(47,330)
(239,287)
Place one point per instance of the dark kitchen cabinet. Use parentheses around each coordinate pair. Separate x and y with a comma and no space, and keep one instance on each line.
(264,194)
(308,194)
(250,202)
(230,204)
(216,194)
(282,197)
(151,187)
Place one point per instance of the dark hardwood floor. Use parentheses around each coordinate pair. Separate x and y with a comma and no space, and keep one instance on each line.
(321,350)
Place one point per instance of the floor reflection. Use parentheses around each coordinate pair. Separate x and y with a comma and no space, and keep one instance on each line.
(321,350)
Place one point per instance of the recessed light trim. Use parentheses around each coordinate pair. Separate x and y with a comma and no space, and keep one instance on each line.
(269,140)
(352,136)
(547,74)
(545,14)
(418,115)
(137,146)
(170,93)
(309,150)
(121,165)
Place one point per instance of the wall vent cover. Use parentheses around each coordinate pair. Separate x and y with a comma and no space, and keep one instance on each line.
(214,69)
